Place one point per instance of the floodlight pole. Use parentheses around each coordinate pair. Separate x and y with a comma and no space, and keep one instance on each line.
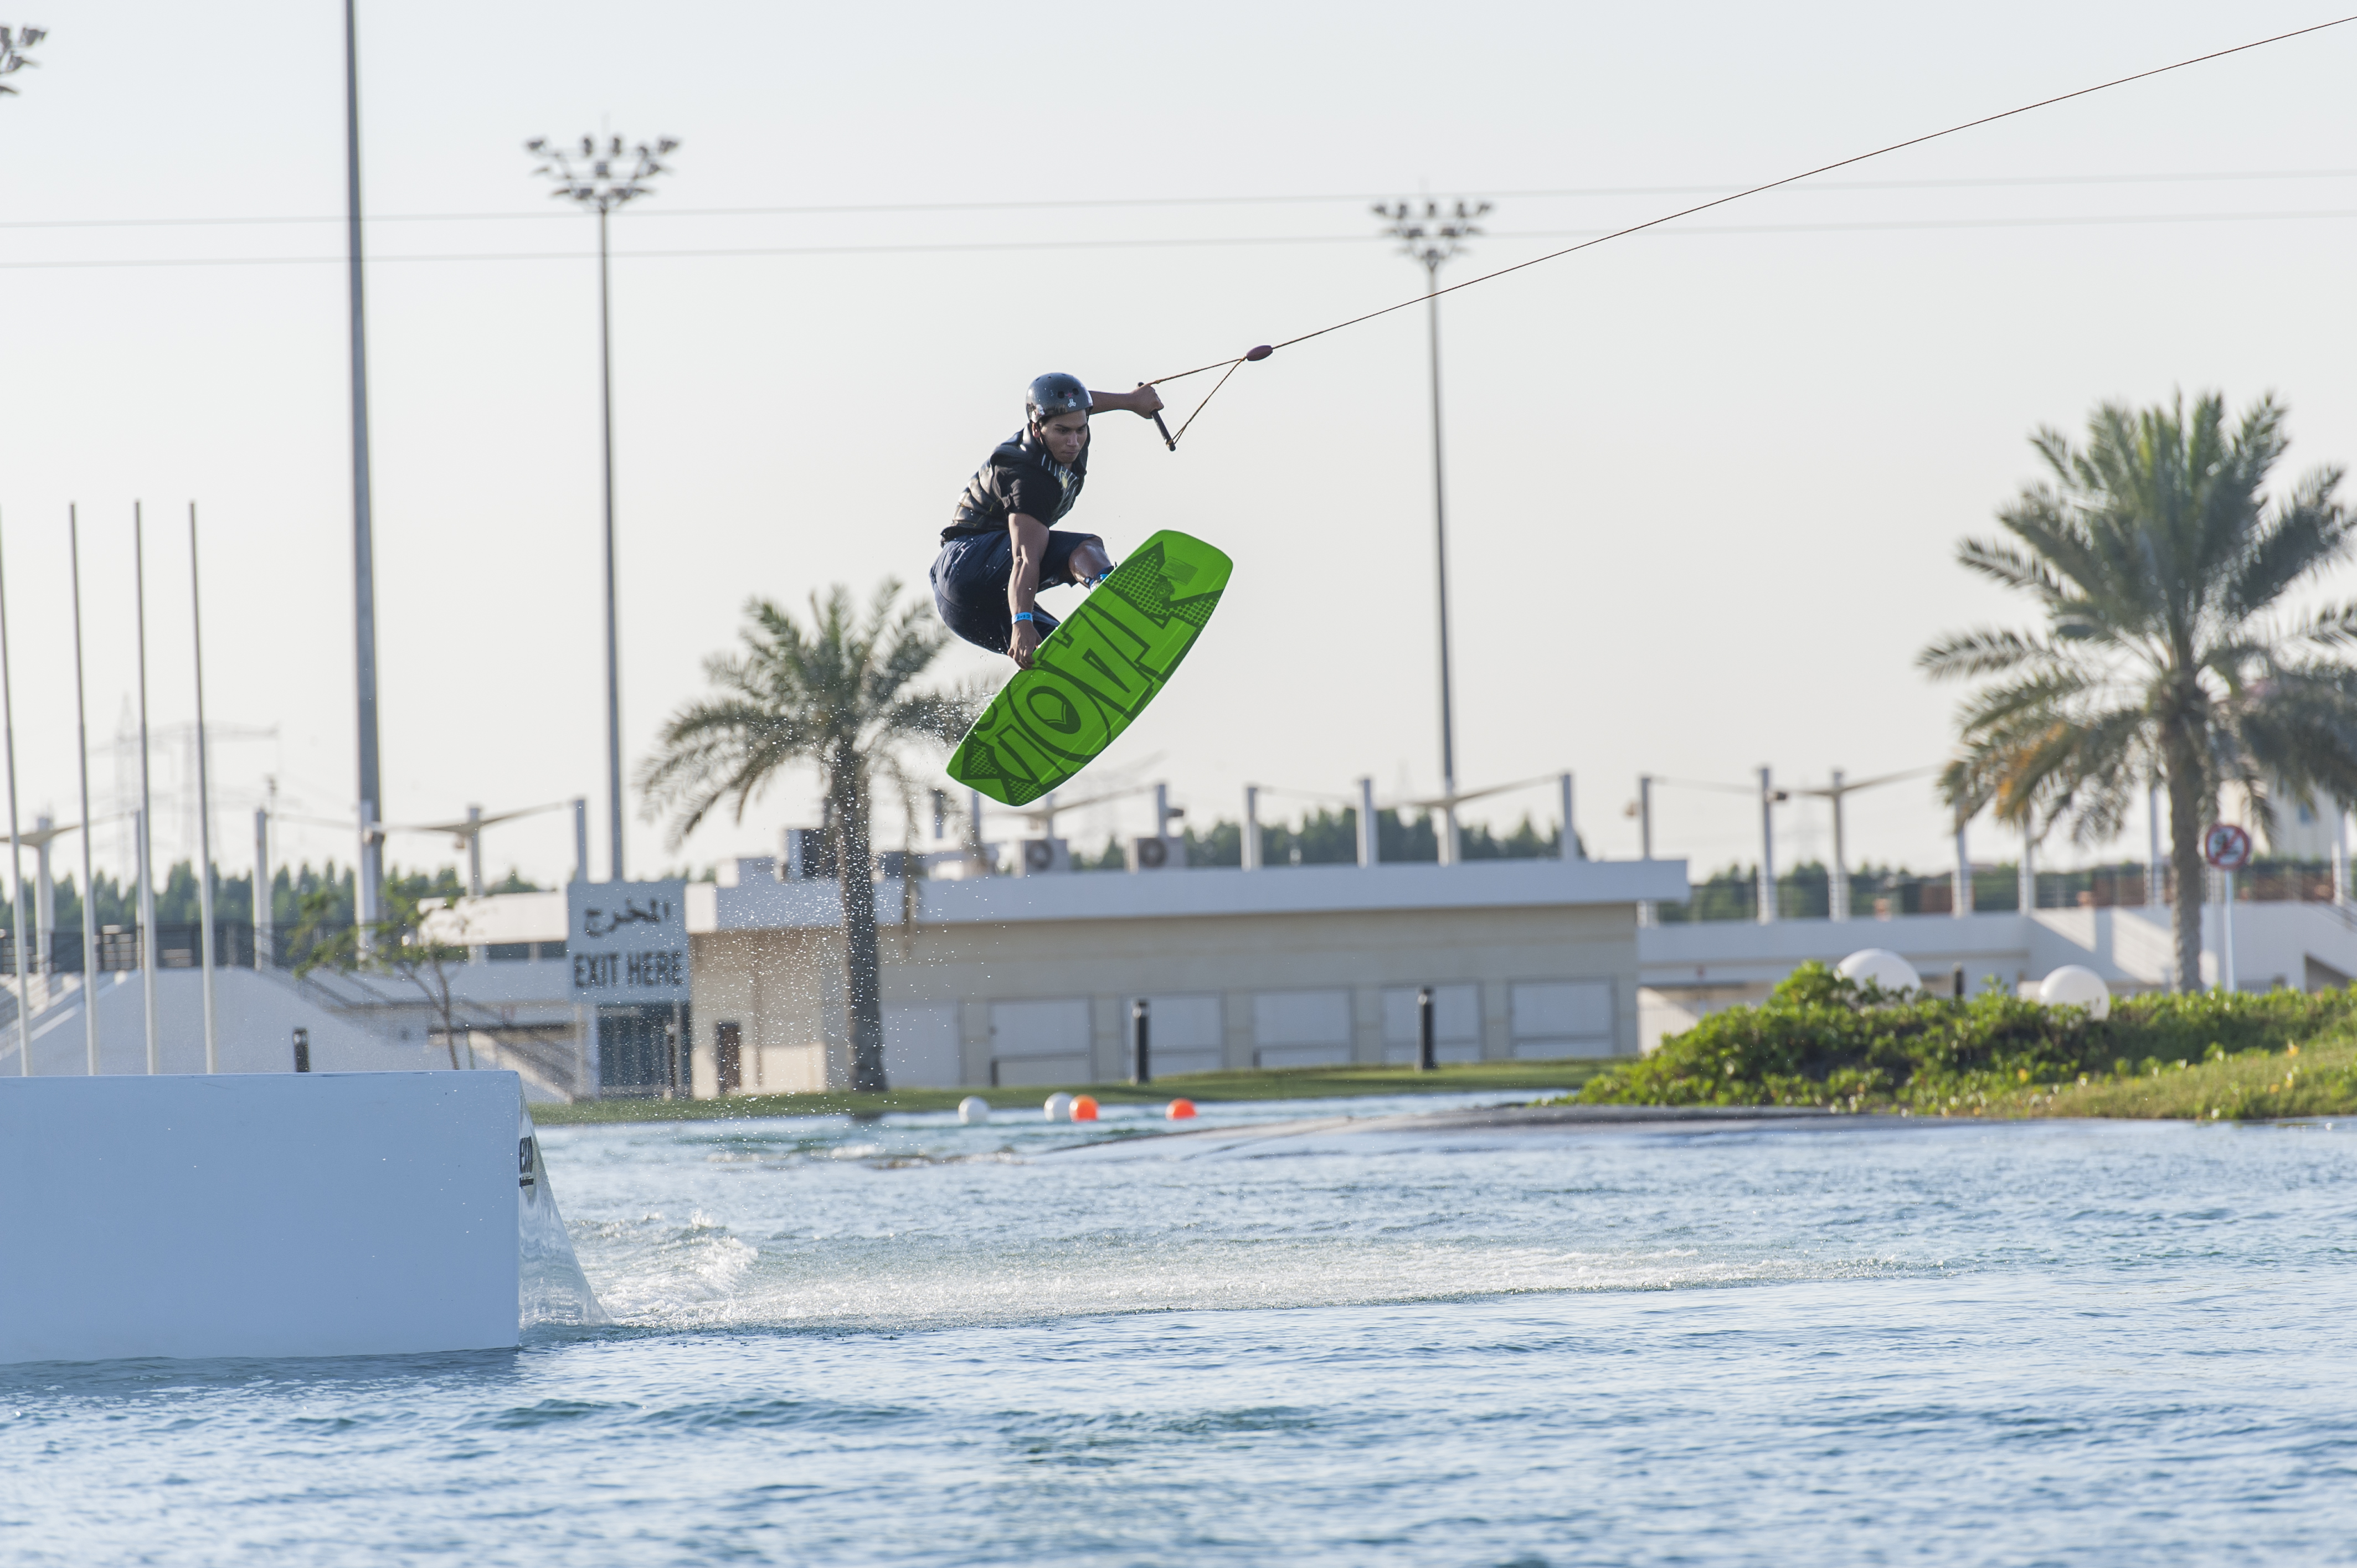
(603,178)
(13,58)
(371,795)
(1429,238)
(613,643)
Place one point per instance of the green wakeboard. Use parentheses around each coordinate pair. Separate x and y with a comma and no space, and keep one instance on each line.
(1094,673)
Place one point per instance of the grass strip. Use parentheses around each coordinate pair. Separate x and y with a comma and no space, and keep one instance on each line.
(1275,1083)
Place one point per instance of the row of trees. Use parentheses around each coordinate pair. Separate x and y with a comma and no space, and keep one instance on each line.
(1331,838)
(323,894)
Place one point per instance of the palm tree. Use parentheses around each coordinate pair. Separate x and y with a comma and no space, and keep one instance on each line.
(2168,655)
(837,696)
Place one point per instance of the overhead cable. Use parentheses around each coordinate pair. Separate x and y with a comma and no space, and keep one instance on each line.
(1264,349)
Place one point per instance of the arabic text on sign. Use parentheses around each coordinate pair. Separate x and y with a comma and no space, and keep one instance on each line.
(595,922)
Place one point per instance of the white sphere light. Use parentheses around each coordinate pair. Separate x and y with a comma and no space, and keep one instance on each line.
(2076,985)
(1879,966)
(1058,1106)
(974,1110)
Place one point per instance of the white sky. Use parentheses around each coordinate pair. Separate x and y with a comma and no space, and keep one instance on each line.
(1705,487)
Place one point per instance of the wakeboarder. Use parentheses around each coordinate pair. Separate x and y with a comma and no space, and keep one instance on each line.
(1002,545)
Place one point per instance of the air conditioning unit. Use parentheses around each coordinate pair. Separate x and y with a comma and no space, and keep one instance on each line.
(810,857)
(747,871)
(1164,854)
(1041,857)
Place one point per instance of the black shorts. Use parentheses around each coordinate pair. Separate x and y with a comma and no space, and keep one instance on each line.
(970,578)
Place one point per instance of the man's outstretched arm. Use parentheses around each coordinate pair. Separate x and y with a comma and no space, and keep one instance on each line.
(1145,402)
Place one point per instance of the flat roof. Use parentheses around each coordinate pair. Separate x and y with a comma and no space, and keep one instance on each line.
(1200,891)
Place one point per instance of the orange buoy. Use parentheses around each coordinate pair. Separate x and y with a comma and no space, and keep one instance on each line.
(1180,1110)
(1084,1108)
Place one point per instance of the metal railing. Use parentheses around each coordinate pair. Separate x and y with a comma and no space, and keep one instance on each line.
(1806,893)
(119,947)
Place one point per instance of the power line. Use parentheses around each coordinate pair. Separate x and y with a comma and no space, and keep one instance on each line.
(1110,202)
(1193,242)
(1264,349)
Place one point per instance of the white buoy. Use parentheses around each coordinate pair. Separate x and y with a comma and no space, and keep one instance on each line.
(1879,966)
(2076,985)
(1058,1106)
(974,1110)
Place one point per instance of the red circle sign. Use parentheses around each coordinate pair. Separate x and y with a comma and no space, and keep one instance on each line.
(2226,846)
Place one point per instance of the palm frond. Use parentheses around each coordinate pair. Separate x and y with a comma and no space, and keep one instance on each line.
(1983,652)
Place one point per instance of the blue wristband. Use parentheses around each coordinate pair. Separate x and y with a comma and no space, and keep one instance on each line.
(1022,614)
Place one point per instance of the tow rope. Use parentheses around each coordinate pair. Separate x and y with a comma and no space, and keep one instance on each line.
(1265,350)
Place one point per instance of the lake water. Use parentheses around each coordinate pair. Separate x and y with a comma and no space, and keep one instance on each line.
(910,1342)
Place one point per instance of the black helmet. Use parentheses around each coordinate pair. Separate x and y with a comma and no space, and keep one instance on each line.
(1056,393)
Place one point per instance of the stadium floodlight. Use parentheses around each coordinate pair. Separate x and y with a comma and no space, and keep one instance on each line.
(1429,234)
(14,42)
(601,174)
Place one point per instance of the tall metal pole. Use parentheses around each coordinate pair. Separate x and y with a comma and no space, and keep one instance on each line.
(1837,904)
(613,653)
(45,897)
(371,795)
(204,800)
(143,829)
(1959,902)
(17,900)
(265,938)
(1440,573)
(476,952)
(81,760)
(2226,981)
(1767,849)
(2340,827)
(1647,913)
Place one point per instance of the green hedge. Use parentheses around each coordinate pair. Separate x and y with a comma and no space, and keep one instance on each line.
(1822,1040)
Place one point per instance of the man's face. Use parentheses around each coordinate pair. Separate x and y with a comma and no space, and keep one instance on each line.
(1065,435)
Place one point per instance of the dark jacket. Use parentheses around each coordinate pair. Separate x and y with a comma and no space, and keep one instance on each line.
(1019,477)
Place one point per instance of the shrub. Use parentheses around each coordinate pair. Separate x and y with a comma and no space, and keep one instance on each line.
(1822,1040)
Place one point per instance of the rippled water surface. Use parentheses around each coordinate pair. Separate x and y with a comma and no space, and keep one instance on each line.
(910,1342)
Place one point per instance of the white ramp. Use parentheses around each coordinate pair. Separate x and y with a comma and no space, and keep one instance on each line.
(282,1214)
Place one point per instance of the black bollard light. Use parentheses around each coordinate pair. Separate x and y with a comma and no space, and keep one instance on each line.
(1960,982)
(1141,1057)
(302,1050)
(1425,1061)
